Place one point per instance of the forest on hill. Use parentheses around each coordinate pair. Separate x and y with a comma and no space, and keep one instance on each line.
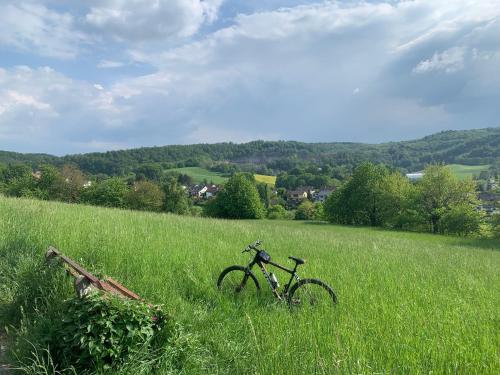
(469,147)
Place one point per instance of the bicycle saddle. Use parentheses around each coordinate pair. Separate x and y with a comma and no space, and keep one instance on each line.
(298,260)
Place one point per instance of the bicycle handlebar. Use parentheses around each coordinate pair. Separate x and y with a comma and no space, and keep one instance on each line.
(252,246)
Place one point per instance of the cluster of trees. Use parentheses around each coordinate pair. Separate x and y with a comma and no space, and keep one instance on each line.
(323,176)
(69,184)
(376,196)
(470,147)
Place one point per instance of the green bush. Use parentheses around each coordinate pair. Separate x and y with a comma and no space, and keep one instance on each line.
(106,331)
(495,225)
(462,219)
(305,211)
(238,200)
(276,212)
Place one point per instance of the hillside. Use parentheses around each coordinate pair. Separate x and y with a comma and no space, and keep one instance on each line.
(469,147)
(408,303)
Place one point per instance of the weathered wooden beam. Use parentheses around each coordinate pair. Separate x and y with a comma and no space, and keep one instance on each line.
(83,278)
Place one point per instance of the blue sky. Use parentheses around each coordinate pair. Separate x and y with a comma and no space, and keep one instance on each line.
(96,75)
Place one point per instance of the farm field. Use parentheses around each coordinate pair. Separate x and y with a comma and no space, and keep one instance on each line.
(270,180)
(199,174)
(465,171)
(408,303)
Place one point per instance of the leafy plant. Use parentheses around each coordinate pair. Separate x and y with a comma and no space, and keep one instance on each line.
(106,330)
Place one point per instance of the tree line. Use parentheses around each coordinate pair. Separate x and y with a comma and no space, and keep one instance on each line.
(373,195)
(438,203)
(471,147)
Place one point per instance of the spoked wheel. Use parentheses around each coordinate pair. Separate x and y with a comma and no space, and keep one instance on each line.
(238,280)
(311,292)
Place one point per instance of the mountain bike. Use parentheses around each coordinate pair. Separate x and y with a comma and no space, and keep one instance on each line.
(241,280)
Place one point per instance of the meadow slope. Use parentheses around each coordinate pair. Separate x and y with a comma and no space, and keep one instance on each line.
(408,303)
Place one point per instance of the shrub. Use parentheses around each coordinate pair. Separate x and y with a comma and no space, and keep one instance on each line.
(238,200)
(276,212)
(109,193)
(106,330)
(145,195)
(462,219)
(495,225)
(305,211)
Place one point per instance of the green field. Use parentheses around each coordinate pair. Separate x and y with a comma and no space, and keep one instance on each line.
(270,180)
(200,174)
(408,303)
(465,171)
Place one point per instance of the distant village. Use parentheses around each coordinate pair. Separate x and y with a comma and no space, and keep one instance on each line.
(488,195)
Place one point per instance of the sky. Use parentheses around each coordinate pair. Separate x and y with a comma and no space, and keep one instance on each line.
(98,75)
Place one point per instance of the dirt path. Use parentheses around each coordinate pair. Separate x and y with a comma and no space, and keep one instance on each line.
(4,368)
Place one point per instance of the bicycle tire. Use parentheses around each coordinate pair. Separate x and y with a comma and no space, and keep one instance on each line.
(302,285)
(246,276)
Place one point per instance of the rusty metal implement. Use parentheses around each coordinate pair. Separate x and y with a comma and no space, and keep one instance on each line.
(84,279)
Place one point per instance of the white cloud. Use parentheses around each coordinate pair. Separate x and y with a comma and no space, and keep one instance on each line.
(449,61)
(32,27)
(145,20)
(44,110)
(109,64)
(330,71)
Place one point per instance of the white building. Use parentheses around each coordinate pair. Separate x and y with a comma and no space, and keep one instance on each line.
(415,176)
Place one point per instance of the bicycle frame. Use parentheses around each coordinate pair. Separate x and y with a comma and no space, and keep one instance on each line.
(293,272)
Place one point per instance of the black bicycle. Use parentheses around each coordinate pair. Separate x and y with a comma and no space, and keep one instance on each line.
(241,279)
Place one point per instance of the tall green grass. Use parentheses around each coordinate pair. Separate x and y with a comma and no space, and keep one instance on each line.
(408,303)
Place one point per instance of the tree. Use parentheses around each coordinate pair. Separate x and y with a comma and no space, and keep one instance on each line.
(238,200)
(151,172)
(108,193)
(17,181)
(397,201)
(146,196)
(176,199)
(265,193)
(185,179)
(439,190)
(495,225)
(276,212)
(69,184)
(305,211)
(462,219)
(49,181)
(359,200)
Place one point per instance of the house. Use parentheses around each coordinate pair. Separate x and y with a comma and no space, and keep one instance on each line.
(492,184)
(197,191)
(415,176)
(300,193)
(321,195)
(211,191)
(489,202)
(36,175)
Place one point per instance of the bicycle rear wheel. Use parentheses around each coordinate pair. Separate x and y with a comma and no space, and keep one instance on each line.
(238,280)
(311,292)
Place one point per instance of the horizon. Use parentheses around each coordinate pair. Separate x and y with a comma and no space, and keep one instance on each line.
(94,76)
(251,141)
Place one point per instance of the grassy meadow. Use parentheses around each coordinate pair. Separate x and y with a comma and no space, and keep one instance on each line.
(199,174)
(270,180)
(408,303)
(467,171)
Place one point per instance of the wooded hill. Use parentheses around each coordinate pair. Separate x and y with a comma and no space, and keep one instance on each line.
(481,146)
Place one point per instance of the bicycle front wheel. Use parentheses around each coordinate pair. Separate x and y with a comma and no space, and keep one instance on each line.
(311,292)
(238,280)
